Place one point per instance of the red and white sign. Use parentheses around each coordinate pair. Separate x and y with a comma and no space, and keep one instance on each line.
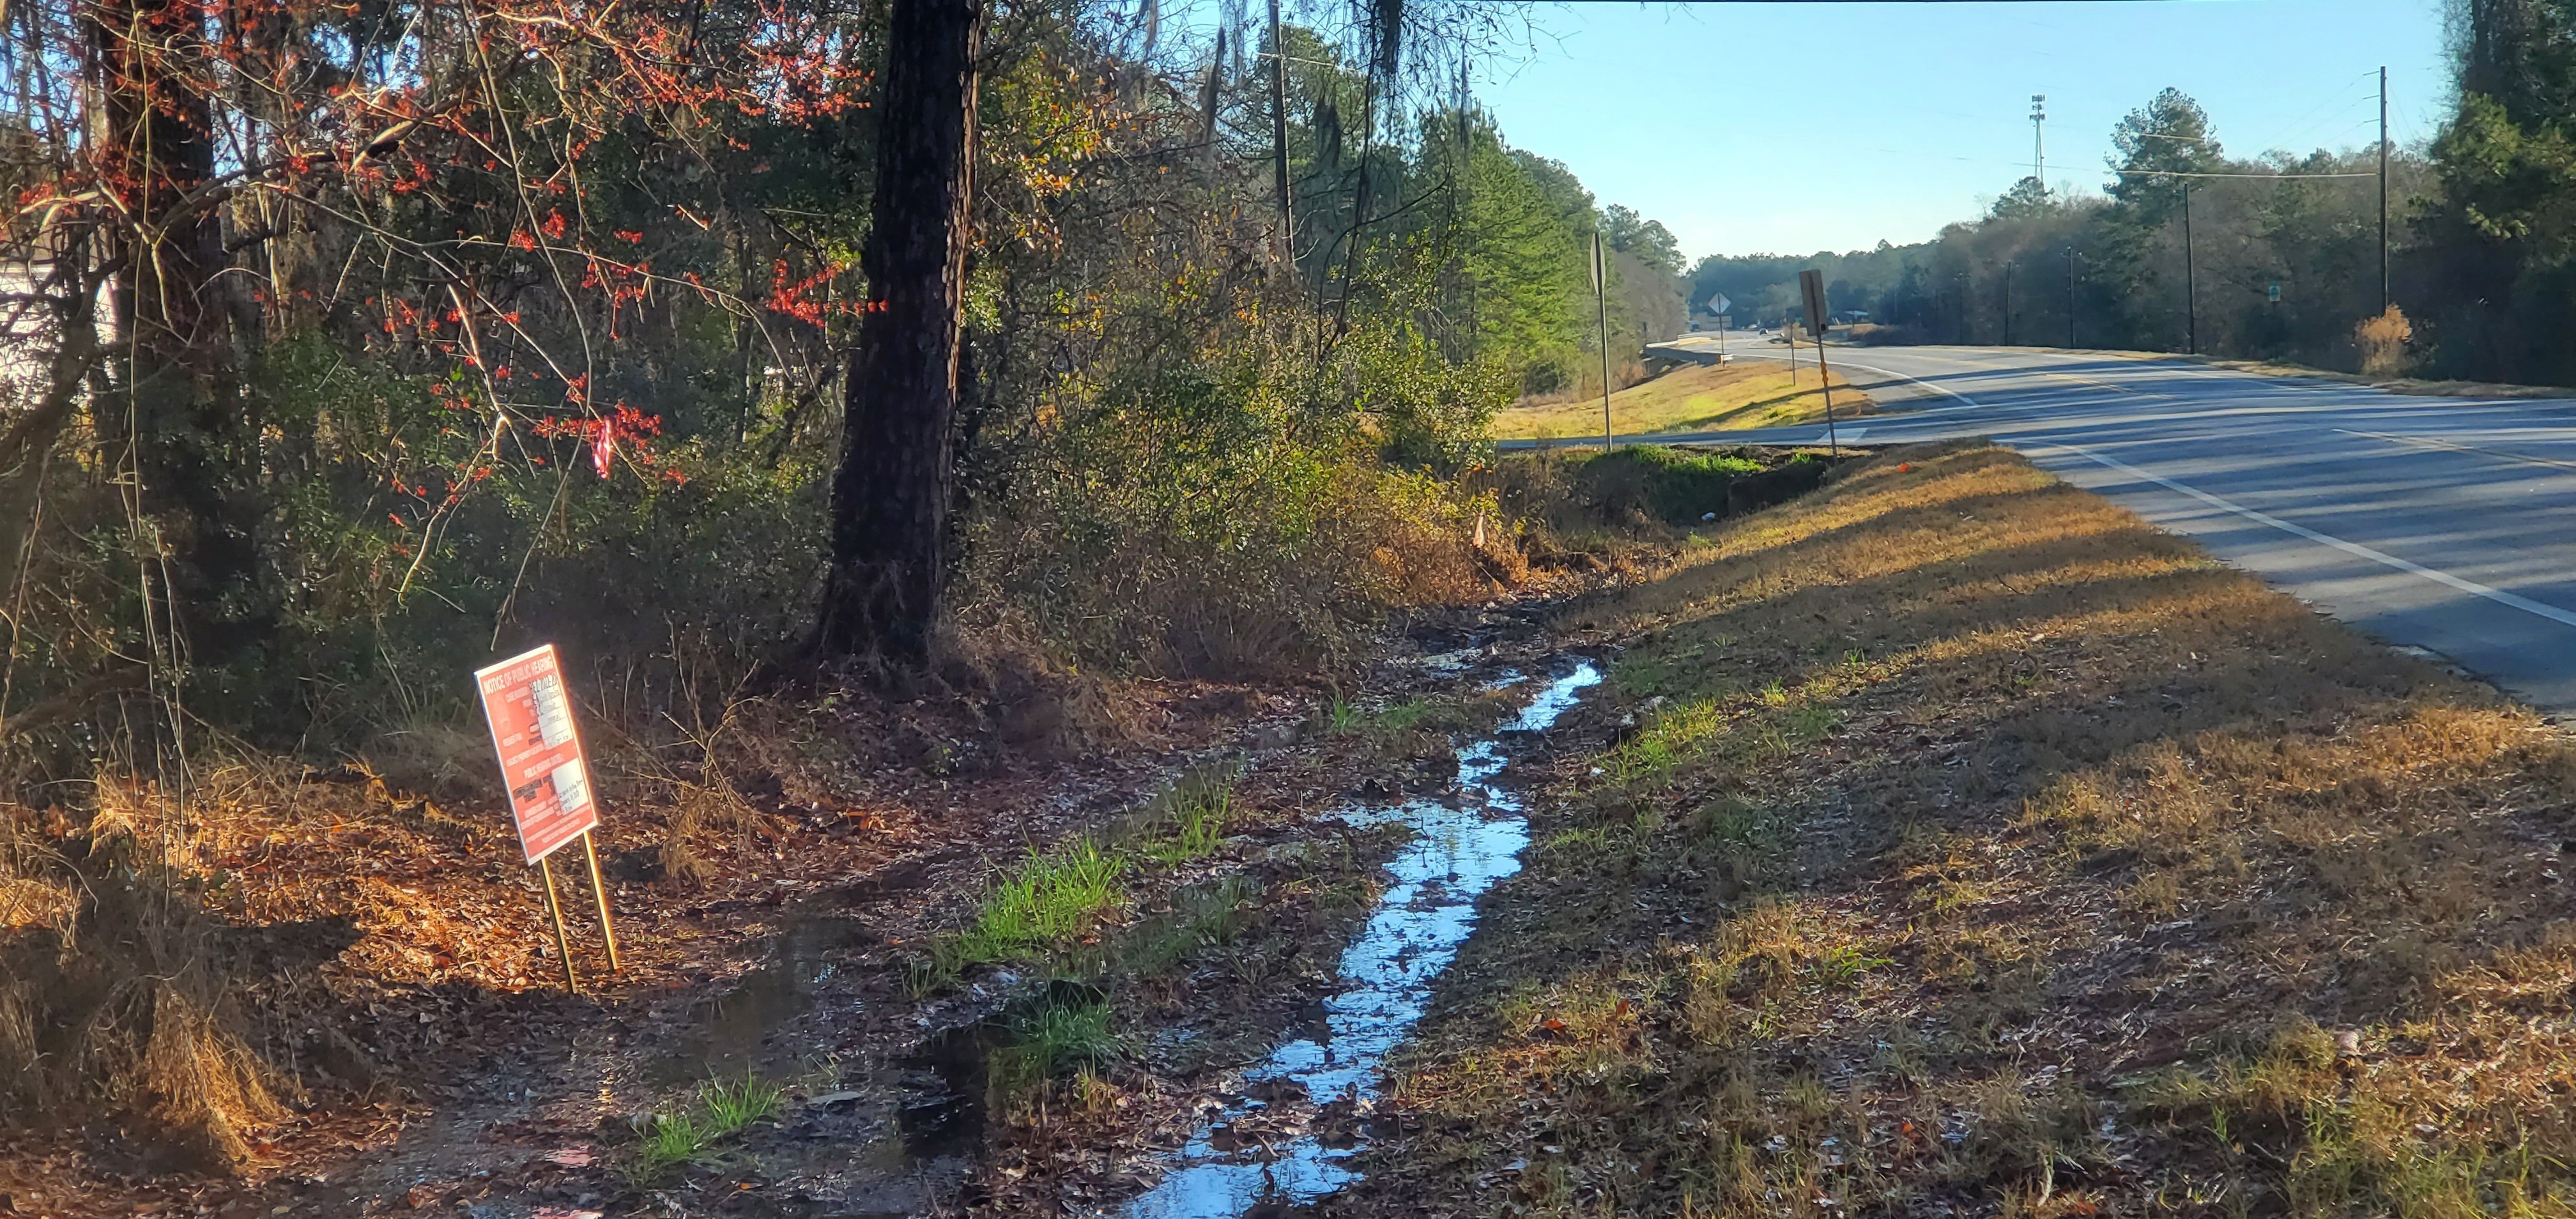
(531,716)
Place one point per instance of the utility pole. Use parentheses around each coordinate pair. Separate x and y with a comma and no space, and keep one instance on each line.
(2039,140)
(2384,300)
(2008,302)
(2070,297)
(1601,306)
(1279,132)
(2190,280)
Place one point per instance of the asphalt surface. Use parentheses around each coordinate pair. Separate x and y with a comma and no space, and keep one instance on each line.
(2441,524)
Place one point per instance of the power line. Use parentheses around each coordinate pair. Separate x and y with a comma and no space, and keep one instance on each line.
(2176,173)
(2301,125)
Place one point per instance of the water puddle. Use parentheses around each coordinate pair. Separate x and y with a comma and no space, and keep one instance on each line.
(738,1030)
(1258,1149)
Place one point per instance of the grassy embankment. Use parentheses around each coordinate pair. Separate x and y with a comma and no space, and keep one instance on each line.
(1691,399)
(1981,849)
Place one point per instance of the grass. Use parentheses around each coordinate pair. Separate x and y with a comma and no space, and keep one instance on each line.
(731,1105)
(1056,901)
(1051,1037)
(1416,726)
(1196,823)
(1981,849)
(1202,916)
(718,1110)
(1693,398)
(1050,899)
(2418,387)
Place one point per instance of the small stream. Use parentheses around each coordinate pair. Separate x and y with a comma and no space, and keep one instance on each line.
(1456,855)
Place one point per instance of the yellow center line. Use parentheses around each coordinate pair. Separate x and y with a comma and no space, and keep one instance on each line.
(2427,442)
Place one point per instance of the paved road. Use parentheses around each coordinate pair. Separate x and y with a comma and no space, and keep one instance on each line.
(2445,524)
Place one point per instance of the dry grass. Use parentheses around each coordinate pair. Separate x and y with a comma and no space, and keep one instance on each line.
(2415,387)
(1690,399)
(1982,850)
(2386,343)
(118,994)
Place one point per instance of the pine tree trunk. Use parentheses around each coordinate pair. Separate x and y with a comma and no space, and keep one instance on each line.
(890,499)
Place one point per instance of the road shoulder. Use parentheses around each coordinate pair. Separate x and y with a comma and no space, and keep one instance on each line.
(1953,839)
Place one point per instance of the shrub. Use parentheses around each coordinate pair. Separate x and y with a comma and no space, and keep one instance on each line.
(1229,513)
(2386,343)
(1872,334)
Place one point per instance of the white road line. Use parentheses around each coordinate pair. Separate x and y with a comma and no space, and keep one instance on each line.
(1918,381)
(2356,549)
(2428,442)
(1852,434)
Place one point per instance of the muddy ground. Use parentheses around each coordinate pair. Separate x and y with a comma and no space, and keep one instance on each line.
(460,1078)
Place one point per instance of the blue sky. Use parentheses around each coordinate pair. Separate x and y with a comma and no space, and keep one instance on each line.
(1707,117)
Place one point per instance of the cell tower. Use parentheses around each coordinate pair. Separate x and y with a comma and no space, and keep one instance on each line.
(2039,140)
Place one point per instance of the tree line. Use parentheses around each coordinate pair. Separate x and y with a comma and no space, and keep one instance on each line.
(354,343)
(2273,256)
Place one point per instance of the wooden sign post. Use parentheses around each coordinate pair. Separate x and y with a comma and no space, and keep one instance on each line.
(530,713)
(1811,285)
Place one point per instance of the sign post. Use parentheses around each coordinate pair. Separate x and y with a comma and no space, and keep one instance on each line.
(542,765)
(1811,283)
(1601,306)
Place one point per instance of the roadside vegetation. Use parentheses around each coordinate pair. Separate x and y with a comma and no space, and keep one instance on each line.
(1690,398)
(441,371)
(1979,847)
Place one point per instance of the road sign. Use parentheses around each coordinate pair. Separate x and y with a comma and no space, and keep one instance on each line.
(541,762)
(2273,292)
(1811,284)
(1600,275)
(1718,304)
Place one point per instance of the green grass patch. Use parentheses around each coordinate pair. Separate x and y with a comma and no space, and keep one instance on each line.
(730,1105)
(1399,724)
(1050,900)
(1677,734)
(1056,901)
(1195,825)
(1052,1035)
(1674,486)
(718,1110)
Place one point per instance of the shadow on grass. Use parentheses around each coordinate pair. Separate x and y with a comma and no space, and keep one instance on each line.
(1989,848)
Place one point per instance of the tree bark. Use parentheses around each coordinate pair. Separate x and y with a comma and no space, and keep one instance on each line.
(891,497)
(193,450)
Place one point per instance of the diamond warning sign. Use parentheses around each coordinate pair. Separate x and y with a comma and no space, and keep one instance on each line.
(532,730)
